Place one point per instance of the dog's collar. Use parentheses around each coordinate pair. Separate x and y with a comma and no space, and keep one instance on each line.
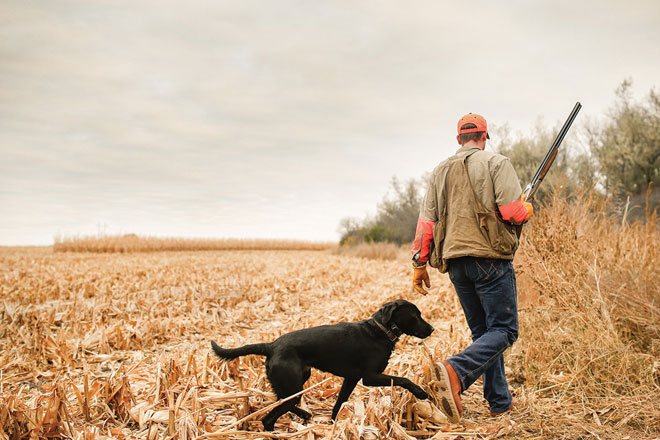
(392,334)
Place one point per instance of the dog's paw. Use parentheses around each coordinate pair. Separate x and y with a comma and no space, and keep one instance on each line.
(268,422)
(419,393)
(302,414)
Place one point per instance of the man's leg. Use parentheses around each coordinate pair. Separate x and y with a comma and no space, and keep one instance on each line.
(462,275)
(496,388)
(493,286)
(501,304)
(476,320)
(467,295)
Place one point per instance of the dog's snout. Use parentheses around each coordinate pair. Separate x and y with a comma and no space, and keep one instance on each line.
(425,330)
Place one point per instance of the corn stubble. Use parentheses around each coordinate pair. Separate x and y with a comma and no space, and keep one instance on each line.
(116,345)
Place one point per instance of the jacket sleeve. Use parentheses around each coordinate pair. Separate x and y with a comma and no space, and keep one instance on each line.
(428,215)
(508,192)
(514,212)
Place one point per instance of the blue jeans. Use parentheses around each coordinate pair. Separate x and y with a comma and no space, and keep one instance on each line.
(487,291)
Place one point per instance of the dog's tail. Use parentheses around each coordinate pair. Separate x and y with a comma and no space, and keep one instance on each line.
(232,353)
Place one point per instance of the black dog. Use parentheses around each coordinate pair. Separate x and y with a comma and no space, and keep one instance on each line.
(352,350)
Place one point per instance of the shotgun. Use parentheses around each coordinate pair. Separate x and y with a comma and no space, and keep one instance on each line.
(533,185)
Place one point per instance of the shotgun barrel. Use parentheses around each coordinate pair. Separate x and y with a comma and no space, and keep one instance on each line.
(533,186)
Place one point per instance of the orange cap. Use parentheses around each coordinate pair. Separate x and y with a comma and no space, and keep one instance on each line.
(473,118)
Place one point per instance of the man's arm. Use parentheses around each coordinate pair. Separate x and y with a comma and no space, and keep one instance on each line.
(422,242)
(428,215)
(516,212)
(508,192)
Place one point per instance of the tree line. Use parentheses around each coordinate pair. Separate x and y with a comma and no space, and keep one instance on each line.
(617,158)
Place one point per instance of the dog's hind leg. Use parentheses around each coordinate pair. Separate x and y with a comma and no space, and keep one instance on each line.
(307,371)
(346,389)
(301,413)
(286,376)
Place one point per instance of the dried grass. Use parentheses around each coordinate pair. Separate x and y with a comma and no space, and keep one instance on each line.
(99,345)
(590,299)
(372,251)
(133,243)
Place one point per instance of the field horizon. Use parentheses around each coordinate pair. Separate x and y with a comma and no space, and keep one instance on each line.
(123,243)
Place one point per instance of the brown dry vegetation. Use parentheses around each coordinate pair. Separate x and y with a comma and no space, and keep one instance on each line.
(374,251)
(99,345)
(590,294)
(134,243)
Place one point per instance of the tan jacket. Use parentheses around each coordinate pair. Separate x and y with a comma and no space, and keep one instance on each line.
(472,228)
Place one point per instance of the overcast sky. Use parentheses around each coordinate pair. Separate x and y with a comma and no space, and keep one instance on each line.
(275,119)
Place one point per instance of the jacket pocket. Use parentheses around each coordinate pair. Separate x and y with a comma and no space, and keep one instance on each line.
(501,237)
(435,258)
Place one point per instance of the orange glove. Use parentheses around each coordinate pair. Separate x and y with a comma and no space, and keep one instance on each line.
(420,275)
(528,206)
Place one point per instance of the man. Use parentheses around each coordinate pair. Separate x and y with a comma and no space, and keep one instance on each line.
(472,242)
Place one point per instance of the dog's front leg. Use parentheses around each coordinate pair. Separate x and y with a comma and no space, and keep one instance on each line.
(346,389)
(383,380)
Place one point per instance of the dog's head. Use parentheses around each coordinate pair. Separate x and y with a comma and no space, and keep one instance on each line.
(406,316)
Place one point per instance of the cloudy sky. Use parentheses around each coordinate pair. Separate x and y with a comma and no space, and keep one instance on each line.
(275,119)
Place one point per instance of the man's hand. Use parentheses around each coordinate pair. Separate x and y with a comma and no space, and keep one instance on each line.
(420,275)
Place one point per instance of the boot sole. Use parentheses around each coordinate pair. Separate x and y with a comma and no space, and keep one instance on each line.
(447,402)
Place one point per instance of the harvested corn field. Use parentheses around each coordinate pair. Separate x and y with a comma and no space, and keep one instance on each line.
(100,345)
(118,344)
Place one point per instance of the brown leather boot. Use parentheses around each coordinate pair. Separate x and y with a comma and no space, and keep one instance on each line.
(450,388)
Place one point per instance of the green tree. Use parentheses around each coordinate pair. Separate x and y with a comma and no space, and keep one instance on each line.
(395,220)
(375,234)
(571,168)
(398,212)
(627,148)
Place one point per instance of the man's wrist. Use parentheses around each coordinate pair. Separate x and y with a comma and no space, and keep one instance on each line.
(417,264)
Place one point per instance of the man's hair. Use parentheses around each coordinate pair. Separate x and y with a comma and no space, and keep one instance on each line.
(464,138)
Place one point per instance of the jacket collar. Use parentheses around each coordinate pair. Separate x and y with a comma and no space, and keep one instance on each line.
(467,150)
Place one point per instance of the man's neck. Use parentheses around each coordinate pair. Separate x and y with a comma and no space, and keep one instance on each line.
(475,144)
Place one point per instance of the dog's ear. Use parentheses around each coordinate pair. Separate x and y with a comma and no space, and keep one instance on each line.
(387,310)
